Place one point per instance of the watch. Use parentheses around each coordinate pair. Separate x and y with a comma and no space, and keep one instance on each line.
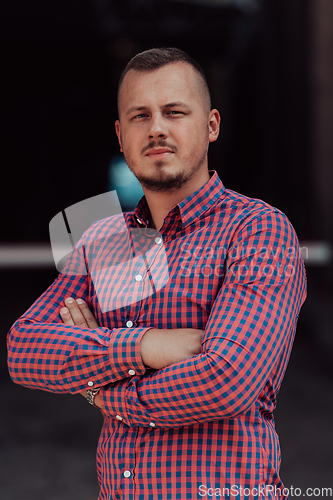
(90,395)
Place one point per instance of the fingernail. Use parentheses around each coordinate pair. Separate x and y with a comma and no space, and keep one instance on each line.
(79,301)
(64,310)
(69,301)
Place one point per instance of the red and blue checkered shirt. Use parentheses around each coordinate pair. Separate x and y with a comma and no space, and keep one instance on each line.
(203,427)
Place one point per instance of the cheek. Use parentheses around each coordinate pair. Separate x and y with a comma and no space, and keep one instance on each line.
(131,150)
(132,141)
(194,140)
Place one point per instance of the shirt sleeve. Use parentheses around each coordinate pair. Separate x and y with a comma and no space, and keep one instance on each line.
(247,341)
(43,353)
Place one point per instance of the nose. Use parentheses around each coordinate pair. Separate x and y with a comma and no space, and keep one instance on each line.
(157,128)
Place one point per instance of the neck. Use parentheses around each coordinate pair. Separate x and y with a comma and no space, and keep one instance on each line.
(160,203)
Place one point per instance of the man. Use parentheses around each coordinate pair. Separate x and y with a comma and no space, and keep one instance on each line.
(187,376)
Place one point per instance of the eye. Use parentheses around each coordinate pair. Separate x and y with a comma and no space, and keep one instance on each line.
(175,112)
(141,115)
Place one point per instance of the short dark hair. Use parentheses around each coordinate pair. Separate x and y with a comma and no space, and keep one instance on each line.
(156,58)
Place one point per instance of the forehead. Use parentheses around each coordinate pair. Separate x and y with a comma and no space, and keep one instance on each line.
(173,82)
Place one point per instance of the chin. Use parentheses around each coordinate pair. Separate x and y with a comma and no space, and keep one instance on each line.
(163,181)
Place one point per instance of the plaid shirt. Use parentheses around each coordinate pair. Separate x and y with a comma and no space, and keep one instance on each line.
(202,427)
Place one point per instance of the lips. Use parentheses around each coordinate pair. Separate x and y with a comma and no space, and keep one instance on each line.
(159,153)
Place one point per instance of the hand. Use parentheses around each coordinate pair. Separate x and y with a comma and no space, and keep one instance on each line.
(78,313)
(161,348)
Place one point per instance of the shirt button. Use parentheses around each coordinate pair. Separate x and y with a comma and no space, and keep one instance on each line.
(131,372)
(152,424)
(119,417)
(127,473)
(158,240)
(90,383)
(129,324)
(138,277)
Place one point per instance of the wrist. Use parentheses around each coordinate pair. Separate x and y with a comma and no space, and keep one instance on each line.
(97,401)
(147,347)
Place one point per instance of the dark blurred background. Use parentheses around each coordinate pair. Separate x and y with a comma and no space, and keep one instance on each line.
(269,68)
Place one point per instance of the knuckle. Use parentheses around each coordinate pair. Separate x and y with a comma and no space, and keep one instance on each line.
(91,319)
(80,322)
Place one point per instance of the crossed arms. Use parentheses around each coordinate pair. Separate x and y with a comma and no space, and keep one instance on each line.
(158,347)
(245,346)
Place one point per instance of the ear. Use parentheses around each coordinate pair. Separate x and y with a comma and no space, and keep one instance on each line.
(117,126)
(214,125)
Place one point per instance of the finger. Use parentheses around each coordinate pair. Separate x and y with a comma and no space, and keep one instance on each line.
(88,315)
(77,316)
(66,316)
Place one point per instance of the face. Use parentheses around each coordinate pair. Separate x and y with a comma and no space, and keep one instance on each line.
(164,127)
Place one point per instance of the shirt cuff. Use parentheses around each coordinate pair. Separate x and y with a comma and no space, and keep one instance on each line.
(124,351)
(115,401)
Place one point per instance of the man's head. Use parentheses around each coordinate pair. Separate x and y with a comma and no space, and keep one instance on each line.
(156,58)
(165,123)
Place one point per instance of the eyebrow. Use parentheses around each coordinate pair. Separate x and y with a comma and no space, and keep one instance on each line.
(135,108)
(168,105)
(177,104)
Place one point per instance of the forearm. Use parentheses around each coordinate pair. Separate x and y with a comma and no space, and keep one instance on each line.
(66,357)
(43,353)
(163,347)
(200,389)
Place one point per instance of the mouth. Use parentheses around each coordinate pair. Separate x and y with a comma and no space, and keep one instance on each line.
(159,153)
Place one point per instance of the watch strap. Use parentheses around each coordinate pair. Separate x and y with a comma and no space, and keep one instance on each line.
(90,395)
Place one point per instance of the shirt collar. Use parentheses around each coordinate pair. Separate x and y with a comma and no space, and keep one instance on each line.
(189,209)
(141,213)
